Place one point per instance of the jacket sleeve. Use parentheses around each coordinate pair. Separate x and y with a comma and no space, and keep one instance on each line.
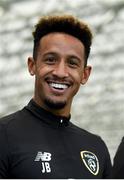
(4,160)
(118,166)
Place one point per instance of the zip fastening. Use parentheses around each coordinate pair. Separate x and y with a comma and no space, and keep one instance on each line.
(61,121)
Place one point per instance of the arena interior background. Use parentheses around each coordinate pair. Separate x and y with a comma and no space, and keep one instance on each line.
(99,105)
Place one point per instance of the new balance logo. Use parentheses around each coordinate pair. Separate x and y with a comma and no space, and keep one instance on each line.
(44,157)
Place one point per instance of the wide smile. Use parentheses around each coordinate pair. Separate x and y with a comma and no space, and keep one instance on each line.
(58,88)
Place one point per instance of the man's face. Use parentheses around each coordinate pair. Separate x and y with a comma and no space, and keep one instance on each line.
(59,71)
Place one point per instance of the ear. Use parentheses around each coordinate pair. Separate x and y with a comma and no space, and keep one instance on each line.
(86,74)
(31,66)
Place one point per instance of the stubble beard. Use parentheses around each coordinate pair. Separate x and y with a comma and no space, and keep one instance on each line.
(54,104)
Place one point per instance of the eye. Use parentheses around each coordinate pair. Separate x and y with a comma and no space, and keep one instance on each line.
(73,62)
(50,59)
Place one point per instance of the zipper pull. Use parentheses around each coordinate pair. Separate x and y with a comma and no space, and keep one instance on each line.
(61,121)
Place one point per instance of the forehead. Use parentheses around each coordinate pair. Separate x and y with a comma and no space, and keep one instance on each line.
(58,40)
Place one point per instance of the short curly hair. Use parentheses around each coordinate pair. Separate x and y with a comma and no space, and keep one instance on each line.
(66,24)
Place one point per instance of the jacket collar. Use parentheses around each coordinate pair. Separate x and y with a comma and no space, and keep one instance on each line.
(46,116)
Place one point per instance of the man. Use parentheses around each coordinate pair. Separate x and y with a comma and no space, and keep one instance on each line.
(39,141)
(118,167)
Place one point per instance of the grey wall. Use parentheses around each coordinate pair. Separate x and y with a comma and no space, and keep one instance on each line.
(99,105)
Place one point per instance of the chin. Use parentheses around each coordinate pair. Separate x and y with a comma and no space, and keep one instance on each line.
(54,104)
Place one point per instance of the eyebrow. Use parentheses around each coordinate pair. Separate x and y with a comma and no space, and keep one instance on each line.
(50,53)
(57,54)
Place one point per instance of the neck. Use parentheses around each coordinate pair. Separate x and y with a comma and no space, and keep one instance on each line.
(65,112)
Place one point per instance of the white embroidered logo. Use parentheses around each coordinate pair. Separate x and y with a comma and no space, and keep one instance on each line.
(90,161)
(45,157)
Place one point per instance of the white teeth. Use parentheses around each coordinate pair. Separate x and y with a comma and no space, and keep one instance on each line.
(59,86)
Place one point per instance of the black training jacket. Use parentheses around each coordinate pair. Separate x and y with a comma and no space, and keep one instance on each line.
(36,144)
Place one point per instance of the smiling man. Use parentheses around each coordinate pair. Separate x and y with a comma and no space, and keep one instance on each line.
(59,70)
(39,141)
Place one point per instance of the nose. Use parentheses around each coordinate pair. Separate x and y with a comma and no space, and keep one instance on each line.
(61,70)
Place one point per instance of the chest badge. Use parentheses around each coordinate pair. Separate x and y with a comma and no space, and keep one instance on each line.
(91,162)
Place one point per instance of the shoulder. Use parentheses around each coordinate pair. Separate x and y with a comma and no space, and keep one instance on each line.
(91,138)
(13,119)
(7,122)
(9,126)
(9,118)
(83,132)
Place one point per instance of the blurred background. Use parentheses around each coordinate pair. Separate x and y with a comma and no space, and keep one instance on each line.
(99,105)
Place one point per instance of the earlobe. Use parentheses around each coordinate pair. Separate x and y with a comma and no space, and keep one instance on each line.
(31,73)
(31,66)
(86,74)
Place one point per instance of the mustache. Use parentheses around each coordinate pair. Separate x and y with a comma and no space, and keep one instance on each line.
(65,80)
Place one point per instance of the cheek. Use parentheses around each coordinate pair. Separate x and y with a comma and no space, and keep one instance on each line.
(77,76)
(44,69)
